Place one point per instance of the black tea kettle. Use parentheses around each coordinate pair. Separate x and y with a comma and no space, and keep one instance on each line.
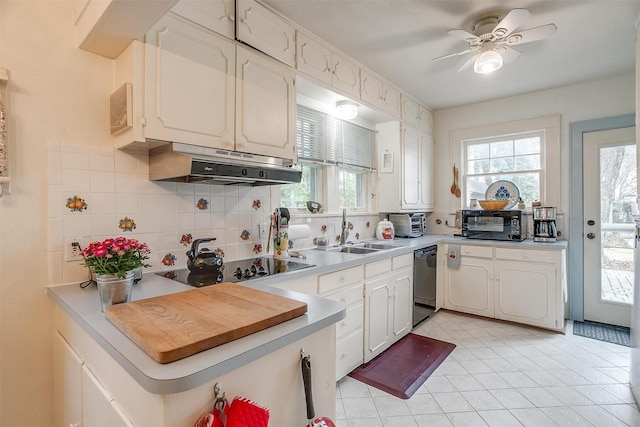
(205,260)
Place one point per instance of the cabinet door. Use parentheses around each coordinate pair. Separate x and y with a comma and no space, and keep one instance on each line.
(190,84)
(410,112)
(426,173)
(345,75)
(470,288)
(96,403)
(411,163)
(378,307)
(526,292)
(218,15)
(402,303)
(265,106)
(67,384)
(263,29)
(371,90)
(313,58)
(392,102)
(118,418)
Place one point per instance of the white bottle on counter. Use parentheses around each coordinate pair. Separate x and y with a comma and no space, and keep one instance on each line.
(385,230)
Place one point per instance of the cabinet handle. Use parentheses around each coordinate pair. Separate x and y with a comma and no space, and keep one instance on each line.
(232,18)
(344,355)
(243,20)
(343,299)
(524,255)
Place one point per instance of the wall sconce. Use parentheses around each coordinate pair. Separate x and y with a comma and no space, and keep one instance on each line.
(346,110)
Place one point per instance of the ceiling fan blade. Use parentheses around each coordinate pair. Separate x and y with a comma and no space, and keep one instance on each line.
(464,35)
(531,35)
(510,22)
(462,52)
(469,62)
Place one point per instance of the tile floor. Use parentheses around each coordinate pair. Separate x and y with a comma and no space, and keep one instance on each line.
(503,375)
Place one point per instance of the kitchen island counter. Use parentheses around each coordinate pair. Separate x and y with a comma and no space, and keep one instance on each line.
(83,307)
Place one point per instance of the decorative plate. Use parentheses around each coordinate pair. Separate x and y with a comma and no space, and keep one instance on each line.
(503,190)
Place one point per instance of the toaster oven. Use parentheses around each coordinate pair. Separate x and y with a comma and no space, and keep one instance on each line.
(409,224)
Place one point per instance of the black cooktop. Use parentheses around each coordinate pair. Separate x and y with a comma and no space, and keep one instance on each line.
(236,271)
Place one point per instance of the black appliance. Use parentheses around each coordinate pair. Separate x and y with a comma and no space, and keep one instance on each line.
(544,224)
(235,271)
(494,225)
(424,283)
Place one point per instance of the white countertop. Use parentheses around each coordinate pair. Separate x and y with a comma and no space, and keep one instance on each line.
(83,306)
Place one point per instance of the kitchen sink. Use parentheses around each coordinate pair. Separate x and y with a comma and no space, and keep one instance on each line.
(379,246)
(357,250)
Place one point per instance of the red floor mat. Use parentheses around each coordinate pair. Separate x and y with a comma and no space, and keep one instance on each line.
(405,366)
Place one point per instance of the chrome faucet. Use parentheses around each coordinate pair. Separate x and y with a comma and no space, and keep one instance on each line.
(344,235)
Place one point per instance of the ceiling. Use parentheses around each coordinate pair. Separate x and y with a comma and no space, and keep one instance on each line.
(399,38)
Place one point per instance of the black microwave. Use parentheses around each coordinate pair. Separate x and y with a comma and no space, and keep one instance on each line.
(493,225)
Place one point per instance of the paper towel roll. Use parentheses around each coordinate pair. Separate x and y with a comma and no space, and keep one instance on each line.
(299,231)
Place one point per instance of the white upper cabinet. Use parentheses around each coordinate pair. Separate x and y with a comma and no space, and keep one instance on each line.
(379,94)
(263,29)
(408,186)
(189,85)
(216,15)
(416,115)
(265,106)
(203,89)
(327,66)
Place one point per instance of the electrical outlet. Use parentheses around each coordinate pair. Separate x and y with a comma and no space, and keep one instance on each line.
(262,230)
(72,249)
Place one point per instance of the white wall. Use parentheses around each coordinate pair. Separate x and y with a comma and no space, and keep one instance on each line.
(603,98)
(56,93)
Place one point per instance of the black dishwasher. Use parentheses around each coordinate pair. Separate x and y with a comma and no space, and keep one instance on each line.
(424,283)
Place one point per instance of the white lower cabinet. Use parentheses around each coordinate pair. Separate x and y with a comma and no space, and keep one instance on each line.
(346,286)
(96,403)
(518,285)
(67,384)
(528,288)
(79,397)
(388,303)
(470,288)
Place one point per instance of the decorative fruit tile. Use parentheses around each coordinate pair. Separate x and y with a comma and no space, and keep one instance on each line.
(257,204)
(169,259)
(219,251)
(257,248)
(203,204)
(357,236)
(368,224)
(338,238)
(323,228)
(186,239)
(245,234)
(76,204)
(127,224)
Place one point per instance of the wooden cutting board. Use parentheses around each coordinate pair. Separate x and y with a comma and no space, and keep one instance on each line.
(171,327)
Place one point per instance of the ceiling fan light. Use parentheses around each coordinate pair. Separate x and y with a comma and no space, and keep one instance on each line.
(346,110)
(488,62)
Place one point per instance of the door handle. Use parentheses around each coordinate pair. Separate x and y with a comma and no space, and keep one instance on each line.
(591,236)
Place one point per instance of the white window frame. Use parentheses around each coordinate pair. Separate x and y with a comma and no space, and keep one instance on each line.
(481,141)
(550,162)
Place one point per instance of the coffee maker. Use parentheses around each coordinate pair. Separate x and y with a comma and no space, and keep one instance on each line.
(544,224)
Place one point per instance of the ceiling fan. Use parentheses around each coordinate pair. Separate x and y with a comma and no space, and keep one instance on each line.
(492,37)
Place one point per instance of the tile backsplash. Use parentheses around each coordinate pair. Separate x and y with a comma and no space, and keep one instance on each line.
(95,193)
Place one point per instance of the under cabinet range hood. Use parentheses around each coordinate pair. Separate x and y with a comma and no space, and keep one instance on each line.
(189,163)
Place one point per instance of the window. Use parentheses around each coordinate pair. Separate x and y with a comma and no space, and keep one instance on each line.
(525,152)
(515,158)
(297,195)
(336,156)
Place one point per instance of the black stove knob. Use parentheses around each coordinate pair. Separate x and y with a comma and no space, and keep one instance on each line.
(247,273)
(254,270)
(261,270)
(238,272)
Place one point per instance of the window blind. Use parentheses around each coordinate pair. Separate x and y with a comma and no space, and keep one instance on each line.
(322,138)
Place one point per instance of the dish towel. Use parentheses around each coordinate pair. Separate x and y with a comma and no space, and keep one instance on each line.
(453,257)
